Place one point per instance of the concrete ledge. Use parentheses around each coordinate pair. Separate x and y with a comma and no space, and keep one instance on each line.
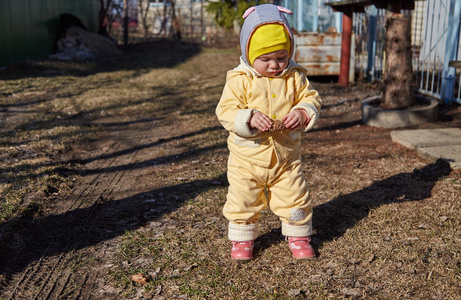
(433,144)
(394,118)
(427,137)
(452,154)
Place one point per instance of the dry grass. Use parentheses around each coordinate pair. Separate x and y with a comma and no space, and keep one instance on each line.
(367,249)
(387,223)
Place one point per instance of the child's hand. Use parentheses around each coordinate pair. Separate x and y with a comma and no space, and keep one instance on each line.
(295,119)
(260,121)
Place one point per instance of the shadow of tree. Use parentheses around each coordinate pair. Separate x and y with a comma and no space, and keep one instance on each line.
(131,166)
(29,237)
(83,227)
(162,53)
(83,119)
(333,218)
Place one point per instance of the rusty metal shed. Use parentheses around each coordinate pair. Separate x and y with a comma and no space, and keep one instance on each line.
(319,53)
(316,30)
(29,28)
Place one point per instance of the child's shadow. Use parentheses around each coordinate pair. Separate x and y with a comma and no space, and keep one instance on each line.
(332,219)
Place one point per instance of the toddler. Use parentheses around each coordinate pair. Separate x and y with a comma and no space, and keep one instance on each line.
(267,86)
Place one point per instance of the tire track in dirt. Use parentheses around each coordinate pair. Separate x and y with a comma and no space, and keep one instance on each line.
(60,270)
(52,265)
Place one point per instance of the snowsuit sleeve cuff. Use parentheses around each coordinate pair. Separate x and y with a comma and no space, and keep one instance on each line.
(242,120)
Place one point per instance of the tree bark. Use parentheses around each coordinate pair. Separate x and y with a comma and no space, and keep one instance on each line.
(176,21)
(144,13)
(104,17)
(398,76)
(125,22)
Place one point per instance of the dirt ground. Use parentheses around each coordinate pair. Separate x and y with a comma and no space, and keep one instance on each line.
(144,195)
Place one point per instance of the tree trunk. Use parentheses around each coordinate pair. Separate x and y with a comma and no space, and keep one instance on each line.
(104,6)
(143,6)
(125,22)
(175,21)
(398,76)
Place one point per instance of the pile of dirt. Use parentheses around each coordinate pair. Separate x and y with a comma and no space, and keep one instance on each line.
(78,44)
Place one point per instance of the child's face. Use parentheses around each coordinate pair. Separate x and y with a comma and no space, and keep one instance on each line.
(271,64)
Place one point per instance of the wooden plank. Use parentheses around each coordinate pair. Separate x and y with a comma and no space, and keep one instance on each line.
(455,64)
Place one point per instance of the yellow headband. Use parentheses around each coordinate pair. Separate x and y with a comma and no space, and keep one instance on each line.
(268,38)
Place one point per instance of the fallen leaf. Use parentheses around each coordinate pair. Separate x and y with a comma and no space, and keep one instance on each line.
(354,261)
(187,269)
(443,218)
(374,286)
(371,258)
(331,265)
(140,279)
(423,226)
(154,273)
(351,292)
(294,292)
(438,242)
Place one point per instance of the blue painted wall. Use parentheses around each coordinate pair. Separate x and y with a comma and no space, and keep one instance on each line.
(312,15)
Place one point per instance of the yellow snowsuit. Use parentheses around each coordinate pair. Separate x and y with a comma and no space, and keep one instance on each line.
(262,160)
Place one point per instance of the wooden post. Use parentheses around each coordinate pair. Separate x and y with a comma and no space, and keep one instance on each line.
(345,48)
(164,28)
(372,22)
(125,22)
(202,36)
(191,22)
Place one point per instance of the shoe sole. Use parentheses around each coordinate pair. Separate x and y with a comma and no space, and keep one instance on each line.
(307,257)
(238,258)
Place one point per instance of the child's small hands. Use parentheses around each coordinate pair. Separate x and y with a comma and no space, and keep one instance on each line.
(295,119)
(260,121)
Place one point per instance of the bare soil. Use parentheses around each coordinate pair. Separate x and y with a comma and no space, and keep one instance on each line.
(143,195)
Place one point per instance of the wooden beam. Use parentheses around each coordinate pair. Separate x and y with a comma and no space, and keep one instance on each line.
(455,64)
(345,48)
(358,5)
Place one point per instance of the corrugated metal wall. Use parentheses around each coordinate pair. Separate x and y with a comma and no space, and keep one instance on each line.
(28,28)
(320,53)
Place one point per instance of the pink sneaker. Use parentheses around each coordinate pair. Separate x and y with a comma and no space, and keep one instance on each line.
(242,250)
(300,247)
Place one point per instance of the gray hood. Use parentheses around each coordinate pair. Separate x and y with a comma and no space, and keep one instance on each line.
(263,14)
